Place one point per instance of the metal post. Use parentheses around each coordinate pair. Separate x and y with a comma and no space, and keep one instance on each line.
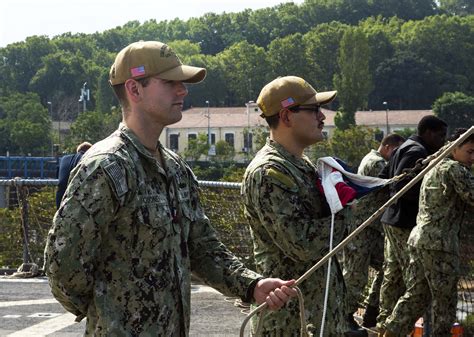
(387,126)
(59,130)
(21,193)
(50,108)
(208,125)
(248,147)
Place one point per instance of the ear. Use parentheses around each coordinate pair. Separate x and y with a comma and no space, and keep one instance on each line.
(133,88)
(285,117)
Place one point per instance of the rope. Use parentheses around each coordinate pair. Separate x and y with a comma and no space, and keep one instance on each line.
(328,278)
(430,162)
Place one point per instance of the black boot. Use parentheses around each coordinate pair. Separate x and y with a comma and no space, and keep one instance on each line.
(355,329)
(369,320)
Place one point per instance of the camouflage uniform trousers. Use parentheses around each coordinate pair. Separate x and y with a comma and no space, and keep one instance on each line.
(395,265)
(429,272)
(364,251)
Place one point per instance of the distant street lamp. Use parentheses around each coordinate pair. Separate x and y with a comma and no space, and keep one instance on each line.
(248,104)
(208,125)
(387,126)
(50,108)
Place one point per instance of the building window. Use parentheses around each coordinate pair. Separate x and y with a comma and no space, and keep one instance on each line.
(325,134)
(174,141)
(229,138)
(213,138)
(192,136)
(248,141)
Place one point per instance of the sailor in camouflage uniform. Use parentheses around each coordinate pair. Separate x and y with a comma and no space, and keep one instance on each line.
(130,227)
(289,218)
(366,249)
(400,217)
(446,192)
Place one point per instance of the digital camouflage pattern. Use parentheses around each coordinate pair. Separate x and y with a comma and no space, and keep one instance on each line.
(446,193)
(290,223)
(429,272)
(366,249)
(396,261)
(371,164)
(126,237)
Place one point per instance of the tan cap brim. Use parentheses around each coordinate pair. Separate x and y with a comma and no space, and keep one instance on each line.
(322,98)
(183,73)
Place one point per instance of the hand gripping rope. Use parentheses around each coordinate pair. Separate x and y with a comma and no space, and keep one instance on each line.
(425,166)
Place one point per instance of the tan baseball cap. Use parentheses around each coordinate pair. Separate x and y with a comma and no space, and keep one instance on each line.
(289,91)
(147,58)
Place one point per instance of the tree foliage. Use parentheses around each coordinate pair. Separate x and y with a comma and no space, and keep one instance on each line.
(413,51)
(197,147)
(24,125)
(456,108)
(350,145)
(353,81)
(92,126)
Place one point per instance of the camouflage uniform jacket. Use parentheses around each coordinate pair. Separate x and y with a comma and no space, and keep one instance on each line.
(371,164)
(446,192)
(126,237)
(290,224)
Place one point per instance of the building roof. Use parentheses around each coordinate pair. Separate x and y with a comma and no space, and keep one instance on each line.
(196,117)
(395,117)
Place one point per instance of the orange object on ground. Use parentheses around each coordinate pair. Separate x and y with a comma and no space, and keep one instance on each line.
(456,331)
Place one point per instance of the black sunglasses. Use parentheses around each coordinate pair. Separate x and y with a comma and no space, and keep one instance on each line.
(312,108)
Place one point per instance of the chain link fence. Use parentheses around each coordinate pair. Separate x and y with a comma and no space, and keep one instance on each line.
(29,207)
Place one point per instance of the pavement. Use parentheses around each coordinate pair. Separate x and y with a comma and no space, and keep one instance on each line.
(27,309)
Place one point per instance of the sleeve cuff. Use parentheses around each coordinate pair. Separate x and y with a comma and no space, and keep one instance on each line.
(249,293)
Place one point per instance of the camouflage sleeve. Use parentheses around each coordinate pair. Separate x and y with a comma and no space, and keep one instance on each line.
(74,240)
(463,183)
(376,168)
(211,260)
(295,226)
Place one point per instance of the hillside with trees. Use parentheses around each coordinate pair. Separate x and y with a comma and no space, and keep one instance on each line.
(408,53)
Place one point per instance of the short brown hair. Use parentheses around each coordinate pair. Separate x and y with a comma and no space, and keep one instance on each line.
(273,121)
(119,91)
(458,132)
(83,147)
(392,139)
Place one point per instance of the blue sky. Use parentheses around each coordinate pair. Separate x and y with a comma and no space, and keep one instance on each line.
(22,18)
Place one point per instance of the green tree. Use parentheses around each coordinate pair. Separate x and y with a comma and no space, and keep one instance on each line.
(197,147)
(93,126)
(445,43)
(321,45)
(243,77)
(25,125)
(405,132)
(352,144)
(260,134)
(404,9)
(21,60)
(456,108)
(353,81)
(286,57)
(416,91)
(224,151)
(457,7)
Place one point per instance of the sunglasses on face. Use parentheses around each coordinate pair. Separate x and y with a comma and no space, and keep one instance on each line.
(309,108)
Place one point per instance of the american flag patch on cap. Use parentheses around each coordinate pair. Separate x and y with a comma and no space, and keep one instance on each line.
(138,71)
(287,102)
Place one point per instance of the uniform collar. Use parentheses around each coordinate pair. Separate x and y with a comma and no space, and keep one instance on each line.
(132,137)
(302,163)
